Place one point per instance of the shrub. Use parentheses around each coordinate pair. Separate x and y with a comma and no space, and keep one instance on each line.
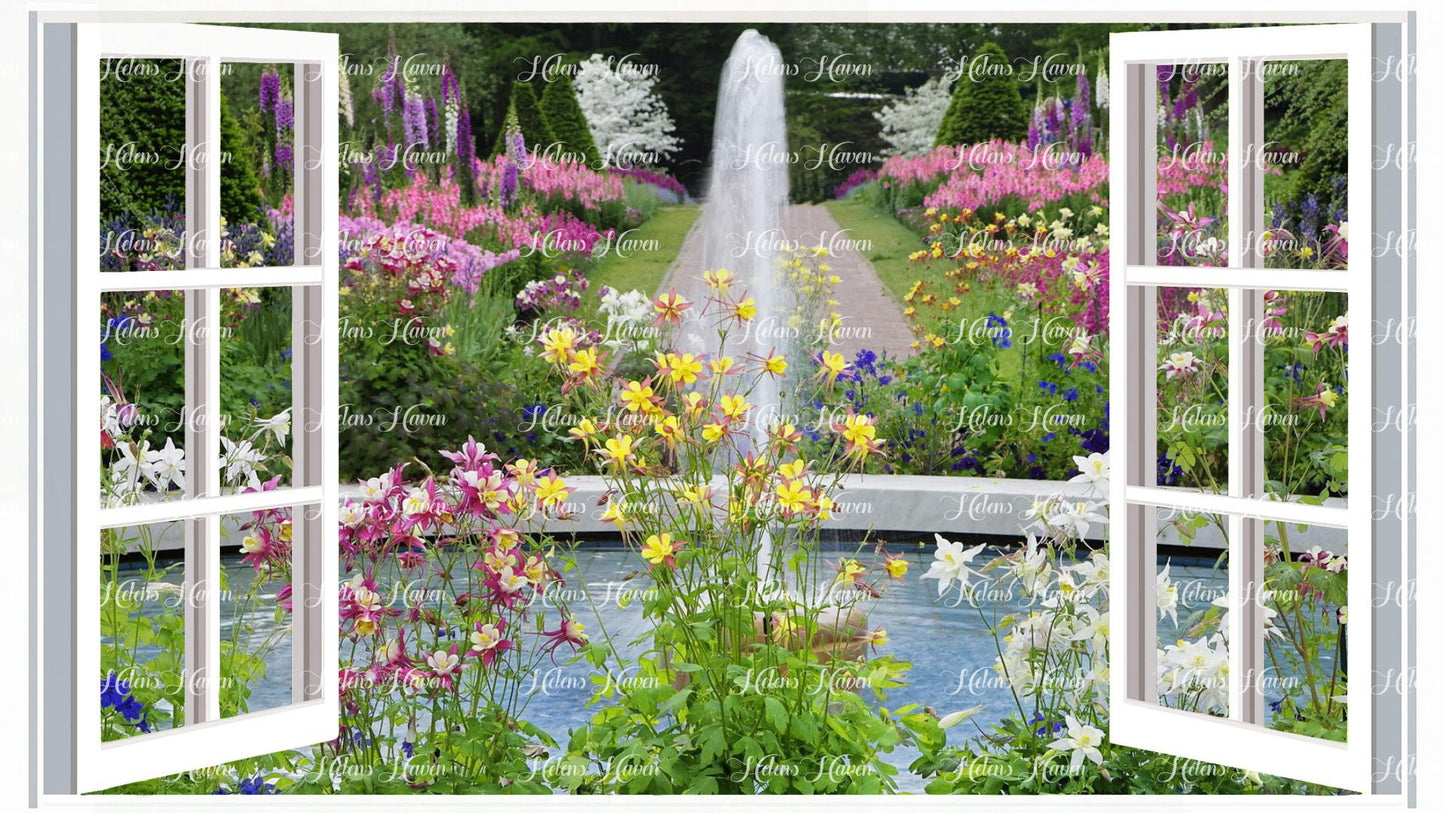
(985,107)
(566,121)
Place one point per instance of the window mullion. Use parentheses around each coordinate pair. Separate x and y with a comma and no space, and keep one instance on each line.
(1246,393)
(307,371)
(203,390)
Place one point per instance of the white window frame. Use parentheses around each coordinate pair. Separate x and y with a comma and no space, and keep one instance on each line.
(1379,286)
(75,759)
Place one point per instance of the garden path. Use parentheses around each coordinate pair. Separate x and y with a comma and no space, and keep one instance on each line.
(871,317)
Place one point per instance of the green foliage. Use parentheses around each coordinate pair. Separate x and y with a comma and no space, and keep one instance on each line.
(566,121)
(986,105)
(832,138)
(143,149)
(1307,112)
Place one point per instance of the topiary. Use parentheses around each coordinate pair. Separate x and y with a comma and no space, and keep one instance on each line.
(985,106)
(533,124)
(567,121)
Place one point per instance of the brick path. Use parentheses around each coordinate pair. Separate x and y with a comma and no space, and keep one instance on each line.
(871,317)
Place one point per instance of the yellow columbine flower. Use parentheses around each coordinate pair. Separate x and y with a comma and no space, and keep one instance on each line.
(693,494)
(775,365)
(692,404)
(557,344)
(615,513)
(858,429)
(793,470)
(684,368)
(713,432)
(832,365)
(849,570)
(897,567)
(619,448)
(722,364)
(794,496)
(658,550)
(746,310)
(524,470)
(669,428)
(783,627)
(584,430)
(637,395)
(584,363)
(551,491)
(718,280)
(734,406)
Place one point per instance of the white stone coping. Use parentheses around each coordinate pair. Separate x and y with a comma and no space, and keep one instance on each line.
(982,506)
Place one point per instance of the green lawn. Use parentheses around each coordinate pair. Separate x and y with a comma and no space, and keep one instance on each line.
(643,270)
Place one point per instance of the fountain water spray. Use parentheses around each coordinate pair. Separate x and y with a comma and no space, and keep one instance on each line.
(746,192)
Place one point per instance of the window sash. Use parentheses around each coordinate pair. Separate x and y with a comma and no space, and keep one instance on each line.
(1136,718)
(313,715)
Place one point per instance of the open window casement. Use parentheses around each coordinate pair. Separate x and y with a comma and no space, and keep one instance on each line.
(1249,262)
(203,509)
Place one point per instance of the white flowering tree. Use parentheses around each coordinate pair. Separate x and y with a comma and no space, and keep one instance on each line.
(910,123)
(629,122)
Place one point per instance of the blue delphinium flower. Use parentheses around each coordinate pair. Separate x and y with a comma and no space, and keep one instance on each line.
(1071,394)
(999,330)
(105,354)
(1169,472)
(1049,387)
(254,786)
(115,694)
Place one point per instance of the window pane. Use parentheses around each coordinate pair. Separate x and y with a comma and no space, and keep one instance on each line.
(1306,393)
(1306,140)
(142,397)
(142,630)
(256,388)
(1193,389)
(256,610)
(1306,626)
(258,154)
(1191,593)
(143,160)
(1193,132)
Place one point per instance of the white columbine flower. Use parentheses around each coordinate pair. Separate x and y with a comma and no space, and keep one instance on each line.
(950,564)
(1166,596)
(240,461)
(166,466)
(1080,741)
(278,425)
(1074,517)
(1093,469)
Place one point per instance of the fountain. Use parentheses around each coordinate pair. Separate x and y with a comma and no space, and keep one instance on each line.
(747,189)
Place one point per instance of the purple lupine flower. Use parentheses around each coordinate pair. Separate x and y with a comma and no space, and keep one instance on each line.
(270,91)
(516,147)
(285,115)
(413,122)
(451,90)
(283,156)
(434,127)
(509,183)
(1081,101)
(1053,120)
(388,85)
(1188,97)
(466,150)
(1035,136)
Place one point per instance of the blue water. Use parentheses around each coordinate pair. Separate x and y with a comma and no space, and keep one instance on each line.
(947,642)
